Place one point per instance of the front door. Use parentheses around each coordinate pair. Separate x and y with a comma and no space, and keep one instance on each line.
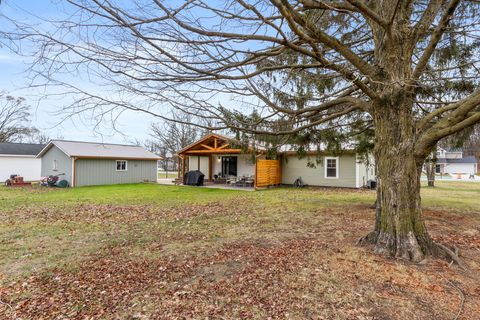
(229,166)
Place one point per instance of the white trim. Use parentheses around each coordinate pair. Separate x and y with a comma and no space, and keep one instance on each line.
(72,177)
(357,171)
(337,159)
(48,146)
(126,166)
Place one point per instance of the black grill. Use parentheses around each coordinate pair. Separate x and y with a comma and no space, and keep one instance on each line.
(194,178)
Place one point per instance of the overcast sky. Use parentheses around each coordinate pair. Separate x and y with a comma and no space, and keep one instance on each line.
(14,80)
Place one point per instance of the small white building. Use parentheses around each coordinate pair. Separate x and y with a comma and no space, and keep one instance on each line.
(20,159)
(454,163)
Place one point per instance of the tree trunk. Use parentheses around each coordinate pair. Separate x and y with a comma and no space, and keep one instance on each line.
(399,229)
(430,166)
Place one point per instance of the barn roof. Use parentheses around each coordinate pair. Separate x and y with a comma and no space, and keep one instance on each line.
(20,149)
(82,149)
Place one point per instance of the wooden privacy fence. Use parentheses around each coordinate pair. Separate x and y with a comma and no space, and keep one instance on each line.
(267,173)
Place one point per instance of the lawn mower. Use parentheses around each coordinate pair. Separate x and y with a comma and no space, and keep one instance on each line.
(16,181)
(54,181)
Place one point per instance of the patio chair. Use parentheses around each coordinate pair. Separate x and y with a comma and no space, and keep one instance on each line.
(231,180)
(240,182)
(249,182)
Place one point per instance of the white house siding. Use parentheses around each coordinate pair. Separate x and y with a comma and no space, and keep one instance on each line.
(460,168)
(293,167)
(193,164)
(103,171)
(28,167)
(364,172)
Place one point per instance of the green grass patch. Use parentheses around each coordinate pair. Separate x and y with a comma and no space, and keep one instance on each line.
(44,228)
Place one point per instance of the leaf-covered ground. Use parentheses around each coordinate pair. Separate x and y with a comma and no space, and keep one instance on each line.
(165,252)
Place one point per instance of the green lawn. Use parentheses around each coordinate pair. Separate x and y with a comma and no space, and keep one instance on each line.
(452,195)
(157,251)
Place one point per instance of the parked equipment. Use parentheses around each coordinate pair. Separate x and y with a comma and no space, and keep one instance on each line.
(54,181)
(16,181)
(194,178)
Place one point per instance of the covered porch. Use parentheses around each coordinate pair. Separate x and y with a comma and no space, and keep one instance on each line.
(221,160)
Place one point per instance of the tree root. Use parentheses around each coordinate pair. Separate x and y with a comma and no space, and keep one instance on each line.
(370,238)
(452,254)
(12,310)
(462,297)
(435,249)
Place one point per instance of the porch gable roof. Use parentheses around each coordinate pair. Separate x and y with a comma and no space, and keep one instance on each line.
(212,143)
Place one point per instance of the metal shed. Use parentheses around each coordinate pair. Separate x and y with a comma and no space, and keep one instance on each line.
(90,163)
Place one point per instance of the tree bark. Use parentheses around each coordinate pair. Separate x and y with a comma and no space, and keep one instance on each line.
(399,229)
(430,166)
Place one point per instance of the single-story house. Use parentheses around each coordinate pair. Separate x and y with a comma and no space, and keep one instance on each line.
(453,162)
(91,163)
(457,167)
(221,157)
(20,159)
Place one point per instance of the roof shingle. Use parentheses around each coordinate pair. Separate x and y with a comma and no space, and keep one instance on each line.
(22,149)
(101,150)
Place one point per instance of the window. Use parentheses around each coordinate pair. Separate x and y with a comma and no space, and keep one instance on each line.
(55,165)
(331,167)
(437,169)
(121,165)
(229,167)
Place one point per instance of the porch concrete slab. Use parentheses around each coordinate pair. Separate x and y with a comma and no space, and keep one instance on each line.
(212,186)
(227,187)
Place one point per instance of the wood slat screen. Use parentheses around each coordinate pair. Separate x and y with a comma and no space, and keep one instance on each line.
(268,173)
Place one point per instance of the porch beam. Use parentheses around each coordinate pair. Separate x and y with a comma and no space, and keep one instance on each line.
(215,151)
(223,146)
(206,147)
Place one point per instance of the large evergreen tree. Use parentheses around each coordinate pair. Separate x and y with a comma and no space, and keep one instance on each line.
(404,70)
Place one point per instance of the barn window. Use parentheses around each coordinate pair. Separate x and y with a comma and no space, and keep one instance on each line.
(121,165)
(331,167)
(55,165)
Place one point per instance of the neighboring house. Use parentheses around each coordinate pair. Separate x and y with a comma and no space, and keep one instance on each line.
(19,158)
(89,163)
(452,161)
(218,156)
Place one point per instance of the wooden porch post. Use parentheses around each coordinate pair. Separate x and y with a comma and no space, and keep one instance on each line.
(183,169)
(178,166)
(256,174)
